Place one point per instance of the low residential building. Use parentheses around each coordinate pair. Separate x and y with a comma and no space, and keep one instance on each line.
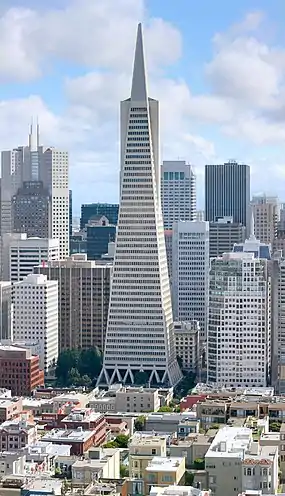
(46,454)
(187,426)
(12,463)
(16,434)
(192,447)
(282,451)
(212,412)
(236,463)
(132,399)
(105,464)
(86,419)
(165,422)
(142,449)
(164,471)
(79,440)
(178,491)
(103,404)
(68,401)
(20,371)
(187,342)
(10,408)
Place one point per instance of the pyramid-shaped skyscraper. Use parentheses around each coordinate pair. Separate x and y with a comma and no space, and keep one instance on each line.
(140,336)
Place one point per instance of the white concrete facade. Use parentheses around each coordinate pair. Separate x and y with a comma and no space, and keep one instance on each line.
(36,315)
(187,341)
(178,192)
(190,272)
(6,310)
(239,331)
(21,254)
(140,335)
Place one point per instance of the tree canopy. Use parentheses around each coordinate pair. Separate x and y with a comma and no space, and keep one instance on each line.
(78,367)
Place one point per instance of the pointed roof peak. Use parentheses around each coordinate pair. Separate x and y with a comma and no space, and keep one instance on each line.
(139,89)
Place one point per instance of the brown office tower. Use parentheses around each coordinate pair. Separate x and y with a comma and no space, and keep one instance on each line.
(20,370)
(84,292)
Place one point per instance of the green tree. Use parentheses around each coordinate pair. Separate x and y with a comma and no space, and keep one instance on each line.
(110,444)
(189,478)
(124,471)
(86,381)
(141,378)
(122,441)
(199,464)
(140,423)
(67,360)
(165,409)
(90,362)
(73,377)
(275,426)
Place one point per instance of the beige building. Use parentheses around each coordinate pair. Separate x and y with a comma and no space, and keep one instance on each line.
(266,214)
(84,291)
(12,463)
(142,449)
(104,464)
(187,342)
(236,463)
(282,451)
(132,399)
(16,434)
(162,471)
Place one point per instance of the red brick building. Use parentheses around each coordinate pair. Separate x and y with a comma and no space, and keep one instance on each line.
(79,440)
(20,370)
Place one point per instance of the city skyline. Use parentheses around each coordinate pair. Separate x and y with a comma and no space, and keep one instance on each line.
(213,105)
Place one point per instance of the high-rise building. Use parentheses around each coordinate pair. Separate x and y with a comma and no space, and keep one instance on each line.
(70,213)
(227,193)
(5,310)
(187,340)
(36,314)
(239,329)
(99,233)
(266,214)
(140,336)
(190,272)
(91,210)
(224,234)
(200,215)
(34,175)
(21,254)
(83,300)
(178,192)
(253,245)
(168,245)
(277,272)
(31,210)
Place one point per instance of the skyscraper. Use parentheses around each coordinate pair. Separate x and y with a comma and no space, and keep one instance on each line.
(91,210)
(239,346)
(190,272)
(178,192)
(227,192)
(140,336)
(266,214)
(34,191)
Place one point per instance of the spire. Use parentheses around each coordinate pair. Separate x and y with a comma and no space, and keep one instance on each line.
(31,133)
(252,235)
(38,133)
(139,92)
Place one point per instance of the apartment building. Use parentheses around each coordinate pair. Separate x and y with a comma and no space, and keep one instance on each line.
(131,399)
(187,342)
(236,463)
(266,214)
(104,464)
(16,434)
(162,471)
(10,408)
(84,292)
(142,449)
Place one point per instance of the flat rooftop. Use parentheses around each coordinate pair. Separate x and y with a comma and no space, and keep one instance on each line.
(68,435)
(164,464)
(177,491)
(82,415)
(44,485)
(230,441)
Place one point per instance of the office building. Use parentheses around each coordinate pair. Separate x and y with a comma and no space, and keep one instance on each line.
(200,215)
(236,463)
(99,233)
(190,273)
(90,210)
(253,245)
(29,174)
(36,314)
(227,193)
(239,330)
(277,272)
(20,371)
(224,234)
(70,213)
(187,341)
(140,335)
(84,292)
(21,254)
(178,192)
(266,214)
(31,210)
(6,310)
(78,242)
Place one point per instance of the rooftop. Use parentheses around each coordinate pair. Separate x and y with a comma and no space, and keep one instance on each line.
(44,485)
(68,435)
(160,463)
(230,441)
(82,414)
(177,491)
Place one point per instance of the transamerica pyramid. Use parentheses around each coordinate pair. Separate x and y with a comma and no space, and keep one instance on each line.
(139,335)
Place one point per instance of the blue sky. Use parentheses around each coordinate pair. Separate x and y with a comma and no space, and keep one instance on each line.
(217,68)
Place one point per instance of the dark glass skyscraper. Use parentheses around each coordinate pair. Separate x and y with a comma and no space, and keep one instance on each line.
(227,192)
(92,210)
